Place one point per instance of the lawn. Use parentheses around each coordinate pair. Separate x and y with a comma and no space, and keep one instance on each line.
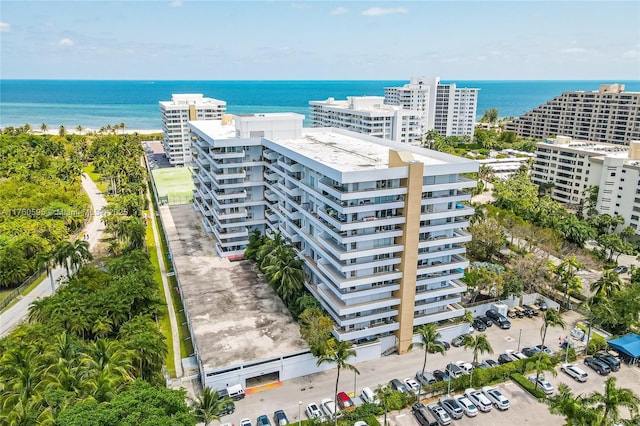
(173,182)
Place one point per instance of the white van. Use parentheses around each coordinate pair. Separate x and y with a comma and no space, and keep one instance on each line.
(236,392)
(369,396)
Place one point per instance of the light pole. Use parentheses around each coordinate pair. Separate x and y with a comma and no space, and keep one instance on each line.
(519,337)
(299,412)
(355,378)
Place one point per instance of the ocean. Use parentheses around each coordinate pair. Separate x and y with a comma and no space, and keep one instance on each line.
(94,104)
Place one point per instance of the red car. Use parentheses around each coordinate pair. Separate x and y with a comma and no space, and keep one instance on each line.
(344,402)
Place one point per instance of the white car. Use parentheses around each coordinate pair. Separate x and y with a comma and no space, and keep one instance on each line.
(496,397)
(440,414)
(245,422)
(313,411)
(542,384)
(369,396)
(467,367)
(412,385)
(574,371)
(468,407)
(516,354)
(479,399)
(329,407)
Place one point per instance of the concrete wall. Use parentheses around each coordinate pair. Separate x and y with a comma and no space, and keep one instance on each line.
(530,299)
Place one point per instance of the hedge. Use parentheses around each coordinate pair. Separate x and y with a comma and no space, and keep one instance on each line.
(528,386)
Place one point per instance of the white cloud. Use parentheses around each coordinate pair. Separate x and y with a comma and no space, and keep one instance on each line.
(340,11)
(176,3)
(631,54)
(379,11)
(573,50)
(66,42)
(5,27)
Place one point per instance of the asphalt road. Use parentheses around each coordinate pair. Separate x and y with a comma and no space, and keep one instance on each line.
(12,316)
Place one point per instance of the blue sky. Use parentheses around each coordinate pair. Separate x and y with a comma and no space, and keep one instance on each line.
(279,40)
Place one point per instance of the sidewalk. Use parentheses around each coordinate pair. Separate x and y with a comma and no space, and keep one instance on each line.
(14,314)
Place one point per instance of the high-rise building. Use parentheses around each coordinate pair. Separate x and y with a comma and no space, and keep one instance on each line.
(608,115)
(573,166)
(176,113)
(380,225)
(370,116)
(449,110)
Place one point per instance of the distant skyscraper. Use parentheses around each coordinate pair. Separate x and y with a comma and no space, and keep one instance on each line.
(449,110)
(176,113)
(608,115)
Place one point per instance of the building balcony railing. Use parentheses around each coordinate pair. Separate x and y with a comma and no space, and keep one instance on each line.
(225,234)
(225,215)
(342,282)
(372,330)
(452,311)
(221,154)
(229,194)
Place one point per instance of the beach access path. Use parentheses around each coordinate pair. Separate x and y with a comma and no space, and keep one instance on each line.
(94,229)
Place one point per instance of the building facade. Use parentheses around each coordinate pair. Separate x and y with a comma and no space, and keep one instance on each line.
(573,166)
(175,114)
(380,225)
(609,115)
(370,116)
(449,110)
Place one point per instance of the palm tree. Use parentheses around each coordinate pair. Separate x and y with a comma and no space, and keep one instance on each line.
(566,272)
(541,362)
(574,408)
(208,407)
(612,400)
(44,128)
(490,115)
(608,284)
(429,342)
(338,352)
(79,254)
(79,129)
(62,131)
(61,255)
(551,317)
(384,395)
(479,344)
(47,261)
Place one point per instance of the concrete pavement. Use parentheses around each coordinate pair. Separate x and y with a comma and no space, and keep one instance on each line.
(94,229)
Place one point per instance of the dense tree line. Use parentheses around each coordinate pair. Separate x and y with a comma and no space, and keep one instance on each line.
(41,200)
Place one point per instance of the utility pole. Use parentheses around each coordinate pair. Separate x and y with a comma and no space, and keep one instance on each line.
(519,338)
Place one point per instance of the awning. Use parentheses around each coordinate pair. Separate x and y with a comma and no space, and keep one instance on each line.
(628,345)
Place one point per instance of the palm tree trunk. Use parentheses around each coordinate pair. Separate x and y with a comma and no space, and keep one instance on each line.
(66,266)
(53,284)
(424,366)
(335,398)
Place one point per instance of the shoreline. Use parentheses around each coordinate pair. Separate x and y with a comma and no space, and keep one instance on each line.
(87,131)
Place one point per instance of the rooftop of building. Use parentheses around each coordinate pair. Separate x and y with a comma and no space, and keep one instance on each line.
(235,316)
(216,129)
(596,148)
(374,104)
(185,99)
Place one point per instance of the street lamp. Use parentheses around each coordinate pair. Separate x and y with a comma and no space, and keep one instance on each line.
(519,337)
(355,378)
(299,415)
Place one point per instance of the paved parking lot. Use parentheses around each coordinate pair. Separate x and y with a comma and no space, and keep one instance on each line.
(524,408)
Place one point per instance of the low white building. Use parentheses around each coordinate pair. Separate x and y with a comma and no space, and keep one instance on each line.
(380,225)
(368,115)
(574,165)
(175,114)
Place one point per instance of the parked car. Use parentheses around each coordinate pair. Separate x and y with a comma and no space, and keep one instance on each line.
(543,384)
(344,402)
(442,343)
(412,385)
(479,325)
(469,408)
(574,371)
(467,367)
(441,376)
(498,319)
(458,341)
(486,320)
(423,415)
(229,408)
(479,399)
(425,379)
(491,363)
(454,371)
(328,407)
(601,367)
(609,359)
(369,396)
(535,311)
(440,414)
(546,349)
(621,269)
(542,305)
(313,411)
(496,397)
(516,354)
(245,422)
(280,418)
(505,358)
(398,386)
(530,351)
(452,407)
(263,421)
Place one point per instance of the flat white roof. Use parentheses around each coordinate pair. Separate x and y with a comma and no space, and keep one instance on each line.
(598,148)
(215,129)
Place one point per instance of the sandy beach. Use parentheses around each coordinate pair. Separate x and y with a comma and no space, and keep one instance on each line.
(87,131)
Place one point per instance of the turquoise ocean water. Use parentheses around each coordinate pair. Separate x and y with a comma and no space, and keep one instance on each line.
(93,104)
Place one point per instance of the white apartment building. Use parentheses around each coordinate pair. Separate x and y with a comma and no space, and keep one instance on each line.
(368,115)
(574,165)
(608,115)
(450,110)
(176,113)
(380,225)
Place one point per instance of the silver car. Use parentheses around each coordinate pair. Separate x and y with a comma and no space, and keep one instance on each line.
(452,407)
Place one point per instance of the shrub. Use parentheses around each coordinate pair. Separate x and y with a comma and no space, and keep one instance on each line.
(528,386)
(500,156)
(397,401)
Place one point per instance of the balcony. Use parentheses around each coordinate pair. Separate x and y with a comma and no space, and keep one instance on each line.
(219,154)
(226,195)
(452,311)
(361,317)
(459,236)
(342,309)
(225,234)
(344,254)
(293,168)
(271,196)
(342,282)
(226,215)
(230,174)
(373,330)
